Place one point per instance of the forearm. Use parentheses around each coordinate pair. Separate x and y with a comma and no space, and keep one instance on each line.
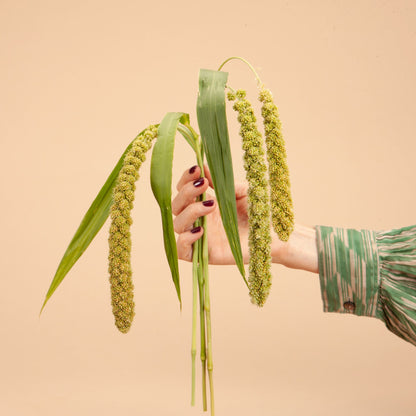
(299,252)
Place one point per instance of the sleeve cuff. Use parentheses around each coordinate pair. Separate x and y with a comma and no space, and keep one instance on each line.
(348,270)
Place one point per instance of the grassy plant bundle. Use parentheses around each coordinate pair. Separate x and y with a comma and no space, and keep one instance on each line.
(115,200)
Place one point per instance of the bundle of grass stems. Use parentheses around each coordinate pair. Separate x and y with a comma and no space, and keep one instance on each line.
(269,202)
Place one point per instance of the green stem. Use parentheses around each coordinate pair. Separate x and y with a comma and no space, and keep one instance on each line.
(231,89)
(202,295)
(194,314)
(202,330)
(198,278)
(246,62)
(198,285)
(207,308)
(200,264)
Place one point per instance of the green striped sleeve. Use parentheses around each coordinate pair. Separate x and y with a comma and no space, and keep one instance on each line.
(348,270)
(397,254)
(370,273)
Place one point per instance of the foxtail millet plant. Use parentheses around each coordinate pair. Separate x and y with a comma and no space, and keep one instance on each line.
(280,196)
(115,199)
(259,240)
(119,239)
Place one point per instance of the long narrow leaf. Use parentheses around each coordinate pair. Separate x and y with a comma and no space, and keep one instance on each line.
(161,182)
(92,222)
(213,128)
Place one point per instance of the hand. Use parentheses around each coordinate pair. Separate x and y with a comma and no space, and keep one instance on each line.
(187,211)
(298,253)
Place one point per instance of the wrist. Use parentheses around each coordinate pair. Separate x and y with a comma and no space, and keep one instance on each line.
(299,252)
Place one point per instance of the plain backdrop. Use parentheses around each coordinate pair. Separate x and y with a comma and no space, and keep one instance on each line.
(78,80)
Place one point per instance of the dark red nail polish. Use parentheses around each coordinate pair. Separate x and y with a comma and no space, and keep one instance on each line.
(208,203)
(198,182)
(193,169)
(196,230)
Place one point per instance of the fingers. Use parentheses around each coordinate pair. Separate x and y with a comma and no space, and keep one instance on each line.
(191,186)
(189,175)
(185,241)
(187,211)
(185,220)
(194,173)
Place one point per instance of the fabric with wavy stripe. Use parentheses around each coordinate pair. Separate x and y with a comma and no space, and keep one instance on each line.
(370,273)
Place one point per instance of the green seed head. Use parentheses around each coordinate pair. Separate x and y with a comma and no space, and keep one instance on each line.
(119,239)
(231,96)
(280,195)
(258,202)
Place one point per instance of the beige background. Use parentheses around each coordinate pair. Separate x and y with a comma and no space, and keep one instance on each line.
(78,80)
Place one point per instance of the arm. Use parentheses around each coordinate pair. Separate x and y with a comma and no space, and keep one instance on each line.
(361,272)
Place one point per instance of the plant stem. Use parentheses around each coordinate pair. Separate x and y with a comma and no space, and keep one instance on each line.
(246,62)
(207,308)
(198,259)
(200,268)
(202,329)
(231,89)
(194,313)
(198,285)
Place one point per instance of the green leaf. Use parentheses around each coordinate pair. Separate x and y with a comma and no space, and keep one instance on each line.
(213,128)
(92,222)
(187,134)
(161,182)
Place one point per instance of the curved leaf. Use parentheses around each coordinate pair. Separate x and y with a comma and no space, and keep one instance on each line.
(92,222)
(213,127)
(161,182)
(187,135)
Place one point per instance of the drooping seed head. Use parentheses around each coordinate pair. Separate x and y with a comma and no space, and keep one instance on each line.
(119,239)
(258,201)
(280,195)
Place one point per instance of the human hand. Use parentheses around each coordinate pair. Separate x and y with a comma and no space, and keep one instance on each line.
(187,211)
(299,252)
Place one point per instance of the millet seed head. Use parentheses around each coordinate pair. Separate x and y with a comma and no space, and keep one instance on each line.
(119,238)
(258,202)
(280,195)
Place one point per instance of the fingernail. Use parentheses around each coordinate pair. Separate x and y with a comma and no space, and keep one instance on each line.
(193,169)
(199,182)
(208,203)
(196,230)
